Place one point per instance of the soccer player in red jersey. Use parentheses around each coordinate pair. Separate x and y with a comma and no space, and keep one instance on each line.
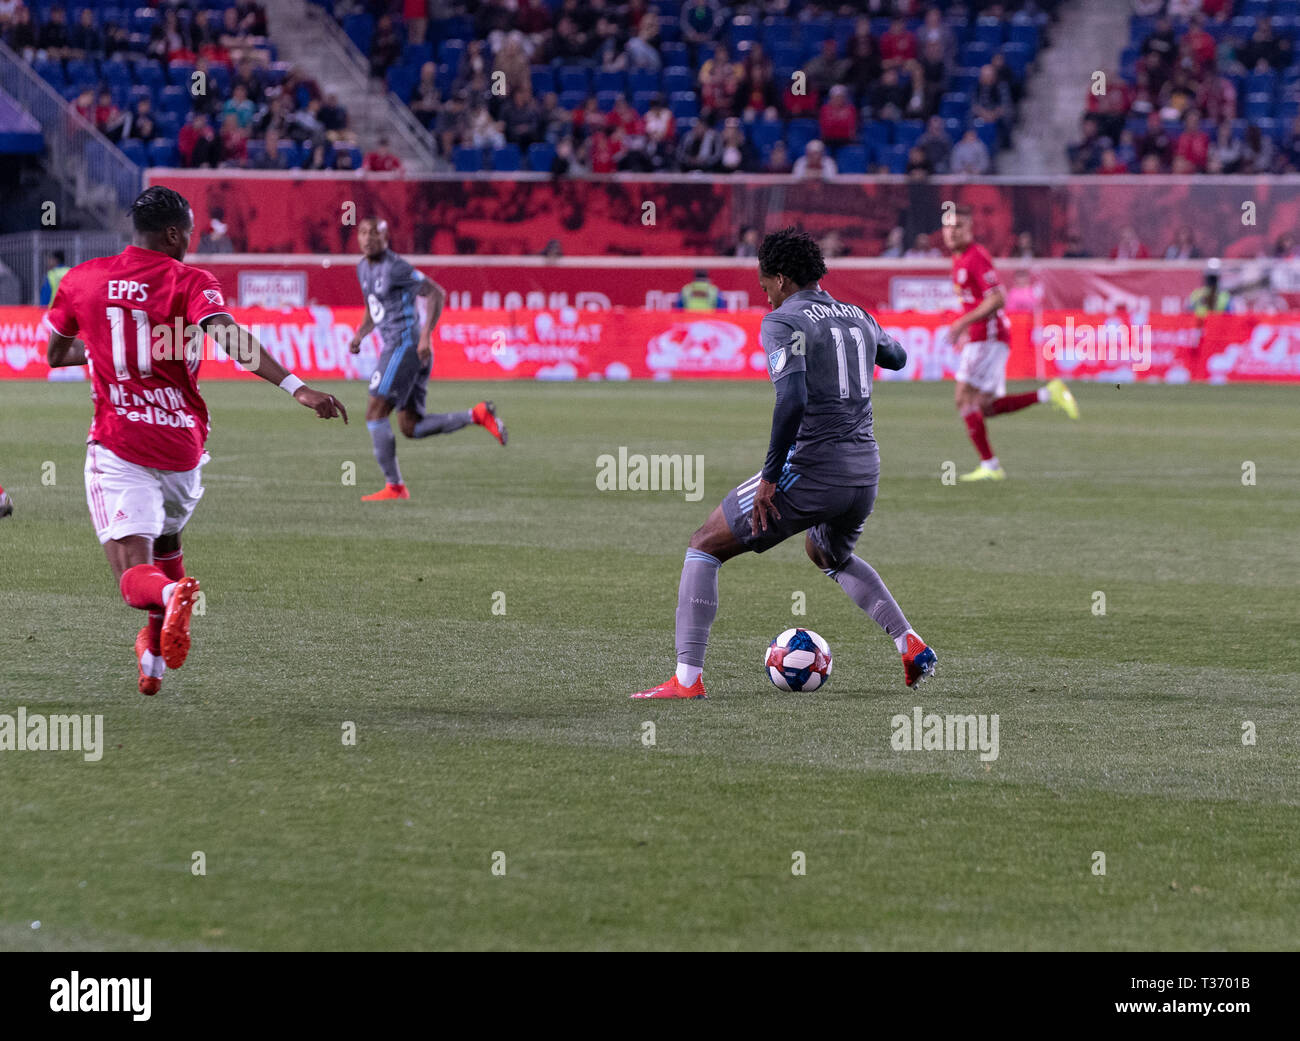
(120,317)
(982,370)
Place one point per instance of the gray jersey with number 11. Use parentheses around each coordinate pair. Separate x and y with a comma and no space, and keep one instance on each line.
(835,345)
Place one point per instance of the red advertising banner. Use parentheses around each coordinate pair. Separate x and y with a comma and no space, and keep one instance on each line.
(570,344)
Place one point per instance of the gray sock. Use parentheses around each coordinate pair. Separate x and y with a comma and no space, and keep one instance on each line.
(381,436)
(860,581)
(442,423)
(697,603)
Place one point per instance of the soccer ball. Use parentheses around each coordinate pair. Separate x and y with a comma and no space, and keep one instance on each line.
(798,659)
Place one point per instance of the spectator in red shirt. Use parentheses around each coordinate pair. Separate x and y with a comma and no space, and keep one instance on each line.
(382,160)
(624,118)
(1199,46)
(897,46)
(839,119)
(1194,143)
(1110,163)
(1129,246)
(234,140)
(800,105)
(603,152)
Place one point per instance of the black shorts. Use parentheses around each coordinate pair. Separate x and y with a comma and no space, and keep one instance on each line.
(834,516)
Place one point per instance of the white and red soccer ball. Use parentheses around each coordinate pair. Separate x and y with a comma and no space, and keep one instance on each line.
(799,660)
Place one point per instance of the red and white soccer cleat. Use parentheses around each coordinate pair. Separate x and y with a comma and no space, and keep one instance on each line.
(672,689)
(918,661)
(176,622)
(485,415)
(389,491)
(149,683)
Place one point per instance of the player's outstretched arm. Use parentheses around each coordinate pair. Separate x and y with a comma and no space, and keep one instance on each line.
(244,348)
(64,350)
(890,354)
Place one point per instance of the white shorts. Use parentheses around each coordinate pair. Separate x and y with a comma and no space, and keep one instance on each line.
(983,366)
(129,499)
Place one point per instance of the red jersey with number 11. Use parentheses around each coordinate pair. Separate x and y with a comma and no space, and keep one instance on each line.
(973,275)
(144,382)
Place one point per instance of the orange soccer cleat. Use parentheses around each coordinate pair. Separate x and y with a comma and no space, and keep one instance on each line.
(389,491)
(485,415)
(149,684)
(176,622)
(919,661)
(673,689)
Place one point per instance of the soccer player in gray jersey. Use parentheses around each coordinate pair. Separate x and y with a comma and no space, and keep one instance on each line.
(822,463)
(401,379)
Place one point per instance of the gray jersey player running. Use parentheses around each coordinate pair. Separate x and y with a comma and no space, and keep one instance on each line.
(400,380)
(822,463)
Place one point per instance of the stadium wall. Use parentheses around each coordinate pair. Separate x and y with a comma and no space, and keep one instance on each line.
(624,343)
(518,214)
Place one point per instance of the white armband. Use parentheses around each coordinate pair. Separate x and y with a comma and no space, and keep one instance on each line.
(290,384)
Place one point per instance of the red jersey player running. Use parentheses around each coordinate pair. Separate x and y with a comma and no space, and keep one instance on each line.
(982,370)
(118,316)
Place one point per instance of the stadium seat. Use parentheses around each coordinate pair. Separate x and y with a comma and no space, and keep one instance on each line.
(162,152)
(643,80)
(150,73)
(674,54)
(605,100)
(742,30)
(611,82)
(676,79)
(988,133)
(467,160)
(360,29)
(541,154)
(417,54)
(906,132)
(989,31)
(799,133)
(507,159)
(180,73)
(1027,33)
(574,78)
(174,99)
(954,106)
(877,135)
(135,151)
(50,71)
(543,80)
(116,73)
(78,71)
(895,159)
(684,104)
(852,159)
(763,135)
(641,100)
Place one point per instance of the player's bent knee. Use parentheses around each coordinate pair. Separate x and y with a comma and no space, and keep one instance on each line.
(406,425)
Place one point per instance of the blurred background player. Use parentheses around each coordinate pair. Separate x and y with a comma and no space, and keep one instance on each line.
(56,266)
(401,378)
(822,462)
(145,450)
(6,504)
(982,370)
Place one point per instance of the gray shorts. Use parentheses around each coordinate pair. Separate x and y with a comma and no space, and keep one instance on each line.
(833,516)
(402,379)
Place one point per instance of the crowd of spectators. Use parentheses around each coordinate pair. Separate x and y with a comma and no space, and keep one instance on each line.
(901,73)
(1202,96)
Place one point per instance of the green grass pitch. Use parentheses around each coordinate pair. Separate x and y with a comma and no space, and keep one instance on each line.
(480,732)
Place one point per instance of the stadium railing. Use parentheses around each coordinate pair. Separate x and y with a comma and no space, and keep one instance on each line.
(101,179)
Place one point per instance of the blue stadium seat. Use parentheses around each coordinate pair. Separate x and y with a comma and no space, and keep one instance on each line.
(467,160)
(954,106)
(572,100)
(852,159)
(180,73)
(450,52)
(989,31)
(417,54)
(507,159)
(976,54)
(988,133)
(895,158)
(143,20)
(605,100)
(813,33)
(1027,33)
(150,73)
(169,123)
(360,29)
(643,79)
(799,133)
(543,81)
(611,82)
(574,78)
(135,151)
(162,152)
(138,93)
(763,135)
(401,81)
(777,29)
(684,104)
(81,71)
(907,131)
(742,30)
(642,98)
(674,54)
(1018,58)
(174,99)
(116,73)
(50,71)
(676,79)
(877,135)
(540,156)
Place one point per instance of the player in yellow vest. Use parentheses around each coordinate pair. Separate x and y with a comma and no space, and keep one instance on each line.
(58,267)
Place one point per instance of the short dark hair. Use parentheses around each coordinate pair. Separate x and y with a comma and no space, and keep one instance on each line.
(158,208)
(792,253)
(58,256)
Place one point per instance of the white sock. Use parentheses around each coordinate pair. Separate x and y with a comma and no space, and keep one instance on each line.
(990,464)
(688,674)
(152,664)
(901,641)
(1044,395)
(167,592)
